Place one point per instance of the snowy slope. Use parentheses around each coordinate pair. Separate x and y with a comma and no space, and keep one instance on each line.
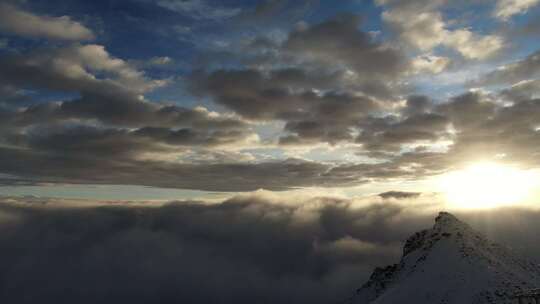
(452,264)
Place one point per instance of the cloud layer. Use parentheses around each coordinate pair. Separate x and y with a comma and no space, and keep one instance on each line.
(317,102)
(246,249)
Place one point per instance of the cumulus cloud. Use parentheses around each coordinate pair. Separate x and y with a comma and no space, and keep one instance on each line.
(420,138)
(23,23)
(110,93)
(76,68)
(421,24)
(473,46)
(505,9)
(329,84)
(287,95)
(471,123)
(251,248)
(512,73)
(110,122)
(339,40)
(336,75)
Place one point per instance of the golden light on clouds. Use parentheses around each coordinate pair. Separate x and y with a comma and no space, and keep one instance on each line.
(485,185)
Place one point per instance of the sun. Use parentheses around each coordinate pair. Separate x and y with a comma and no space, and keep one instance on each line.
(487,185)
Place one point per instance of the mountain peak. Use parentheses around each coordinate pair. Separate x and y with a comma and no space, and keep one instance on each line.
(447,222)
(450,263)
(446,217)
(446,225)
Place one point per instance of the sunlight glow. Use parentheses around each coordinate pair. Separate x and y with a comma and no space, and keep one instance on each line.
(487,185)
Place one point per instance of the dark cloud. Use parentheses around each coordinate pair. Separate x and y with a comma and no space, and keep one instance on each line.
(486,129)
(280,94)
(327,83)
(474,125)
(58,166)
(399,194)
(512,73)
(85,142)
(418,104)
(74,69)
(288,95)
(91,142)
(334,76)
(244,250)
(310,117)
(390,133)
(318,106)
(522,91)
(468,110)
(129,111)
(191,137)
(339,41)
(112,100)
(111,117)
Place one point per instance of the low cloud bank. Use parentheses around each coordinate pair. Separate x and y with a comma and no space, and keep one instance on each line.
(255,248)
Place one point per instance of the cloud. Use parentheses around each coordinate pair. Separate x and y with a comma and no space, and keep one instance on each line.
(505,9)
(76,68)
(399,194)
(61,142)
(334,76)
(164,60)
(110,94)
(390,133)
(122,121)
(110,121)
(22,23)
(338,40)
(196,248)
(199,9)
(421,25)
(250,248)
(75,165)
(289,95)
(484,129)
(329,85)
(473,46)
(423,32)
(523,90)
(512,73)
(429,63)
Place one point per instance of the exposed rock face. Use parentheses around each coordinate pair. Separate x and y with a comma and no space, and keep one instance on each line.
(452,264)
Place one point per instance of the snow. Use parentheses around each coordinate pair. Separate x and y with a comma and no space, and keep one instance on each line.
(450,263)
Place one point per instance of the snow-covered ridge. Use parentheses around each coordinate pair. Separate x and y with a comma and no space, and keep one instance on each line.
(452,264)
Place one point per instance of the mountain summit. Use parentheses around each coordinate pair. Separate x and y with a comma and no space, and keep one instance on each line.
(452,264)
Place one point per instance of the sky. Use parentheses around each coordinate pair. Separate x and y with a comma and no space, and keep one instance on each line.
(201,98)
(242,151)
